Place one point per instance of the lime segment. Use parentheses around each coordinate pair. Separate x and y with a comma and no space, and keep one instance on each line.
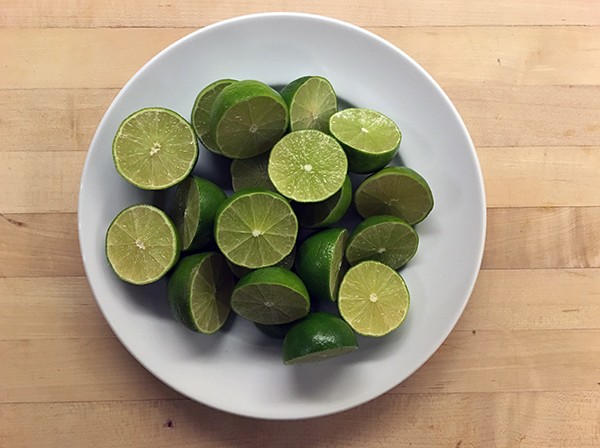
(201,112)
(155,148)
(327,212)
(311,101)
(199,292)
(256,228)
(251,173)
(373,298)
(397,191)
(308,166)
(370,138)
(142,244)
(387,239)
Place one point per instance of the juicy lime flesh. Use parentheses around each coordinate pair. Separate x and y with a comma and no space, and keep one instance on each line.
(186,212)
(155,148)
(329,211)
(269,304)
(393,243)
(251,127)
(365,130)
(141,244)
(395,191)
(373,298)
(308,166)
(201,111)
(312,105)
(212,284)
(251,173)
(256,229)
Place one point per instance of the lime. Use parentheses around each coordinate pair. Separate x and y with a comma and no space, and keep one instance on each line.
(327,212)
(251,173)
(194,207)
(270,296)
(287,263)
(370,138)
(201,111)
(319,262)
(387,239)
(311,101)
(247,119)
(308,166)
(317,337)
(255,228)
(397,191)
(155,148)
(373,298)
(199,292)
(142,244)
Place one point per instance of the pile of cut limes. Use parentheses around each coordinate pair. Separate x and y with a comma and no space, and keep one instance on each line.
(291,153)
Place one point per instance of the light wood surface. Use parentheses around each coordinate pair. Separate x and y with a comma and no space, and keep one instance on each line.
(521,368)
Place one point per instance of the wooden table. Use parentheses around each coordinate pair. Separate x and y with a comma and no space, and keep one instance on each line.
(522,367)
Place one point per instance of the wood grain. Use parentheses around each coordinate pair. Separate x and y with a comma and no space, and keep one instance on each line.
(75,58)
(112,13)
(475,420)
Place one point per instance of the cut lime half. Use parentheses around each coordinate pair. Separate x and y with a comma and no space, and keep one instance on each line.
(251,173)
(321,214)
(311,101)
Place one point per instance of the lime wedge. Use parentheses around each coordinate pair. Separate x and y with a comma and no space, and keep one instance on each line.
(155,148)
(317,337)
(311,101)
(199,292)
(373,298)
(142,244)
(287,263)
(251,173)
(319,262)
(327,212)
(370,138)
(194,207)
(307,166)
(270,296)
(256,228)
(397,191)
(387,239)
(247,119)
(201,111)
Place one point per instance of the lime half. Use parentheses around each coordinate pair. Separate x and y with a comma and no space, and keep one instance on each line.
(200,292)
(247,119)
(387,239)
(311,101)
(370,138)
(251,173)
(270,296)
(373,298)
(397,191)
(201,112)
(327,212)
(319,336)
(142,244)
(194,207)
(308,166)
(256,228)
(155,148)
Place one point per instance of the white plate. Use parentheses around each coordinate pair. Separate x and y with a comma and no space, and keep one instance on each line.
(240,370)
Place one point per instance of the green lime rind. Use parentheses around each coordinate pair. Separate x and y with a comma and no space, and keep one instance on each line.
(317,337)
(247,118)
(313,215)
(142,244)
(319,262)
(155,148)
(373,299)
(255,228)
(201,111)
(311,102)
(370,139)
(397,191)
(199,292)
(271,296)
(287,263)
(387,239)
(194,208)
(251,173)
